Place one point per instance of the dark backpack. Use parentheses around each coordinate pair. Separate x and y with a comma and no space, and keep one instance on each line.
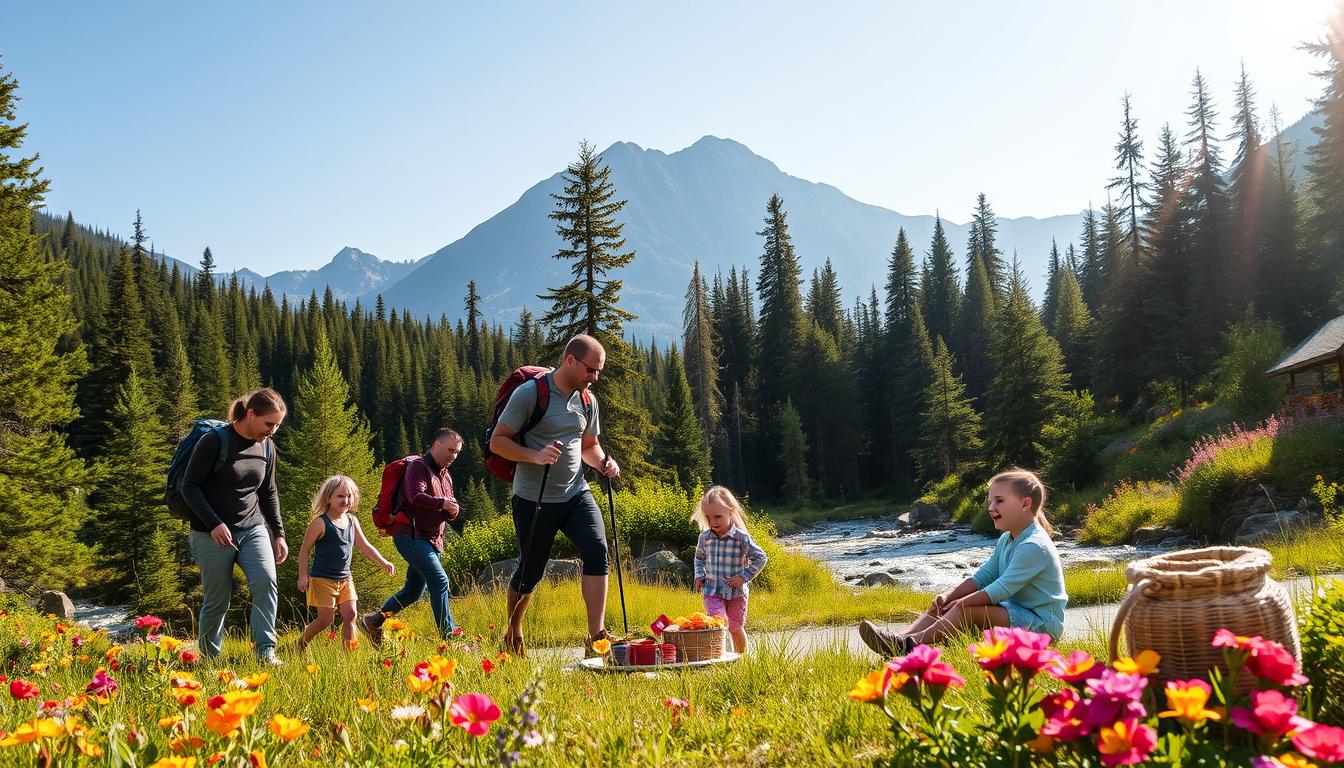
(391,507)
(499,466)
(177,468)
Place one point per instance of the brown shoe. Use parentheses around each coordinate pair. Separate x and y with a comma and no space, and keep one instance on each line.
(884,643)
(371,631)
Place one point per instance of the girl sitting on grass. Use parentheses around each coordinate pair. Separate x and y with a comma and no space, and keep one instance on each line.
(726,558)
(1020,585)
(331,538)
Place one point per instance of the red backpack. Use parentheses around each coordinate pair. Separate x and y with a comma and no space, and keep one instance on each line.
(499,466)
(389,508)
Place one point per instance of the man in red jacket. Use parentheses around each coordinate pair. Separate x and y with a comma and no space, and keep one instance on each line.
(427,498)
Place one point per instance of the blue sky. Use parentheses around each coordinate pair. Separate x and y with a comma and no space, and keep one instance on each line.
(276,133)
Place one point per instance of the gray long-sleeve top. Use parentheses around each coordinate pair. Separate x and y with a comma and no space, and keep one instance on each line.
(242,494)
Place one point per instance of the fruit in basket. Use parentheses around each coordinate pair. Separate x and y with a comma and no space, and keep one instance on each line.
(697,620)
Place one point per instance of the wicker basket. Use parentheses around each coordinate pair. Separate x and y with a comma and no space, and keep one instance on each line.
(1178,600)
(696,644)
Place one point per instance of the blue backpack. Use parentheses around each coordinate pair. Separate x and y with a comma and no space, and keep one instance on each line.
(177,469)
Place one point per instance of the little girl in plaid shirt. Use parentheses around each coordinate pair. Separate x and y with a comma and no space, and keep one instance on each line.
(726,558)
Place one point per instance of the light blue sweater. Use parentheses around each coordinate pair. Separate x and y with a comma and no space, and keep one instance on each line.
(1027,572)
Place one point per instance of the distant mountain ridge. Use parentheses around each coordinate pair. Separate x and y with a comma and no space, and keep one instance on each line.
(703,203)
(350,274)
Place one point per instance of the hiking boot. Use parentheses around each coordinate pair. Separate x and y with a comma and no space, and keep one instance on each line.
(372,631)
(884,643)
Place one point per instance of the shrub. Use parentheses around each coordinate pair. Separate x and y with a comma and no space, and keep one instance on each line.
(1310,448)
(1323,652)
(962,499)
(1249,348)
(1074,440)
(1130,506)
(1210,482)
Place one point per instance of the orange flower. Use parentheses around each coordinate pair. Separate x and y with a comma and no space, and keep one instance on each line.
(256,760)
(174,762)
(602,646)
(257,680)
(88,748)
(224,713)
(872,687)
(287,728)
(1042,744)
(352,644)
(441,667)
(183,743)
(33,730)
(1144,663)
(393,624)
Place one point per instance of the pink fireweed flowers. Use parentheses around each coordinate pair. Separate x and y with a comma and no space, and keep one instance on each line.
(1322,742)
(1271,714)
(1076,669)
(1126,742)
(474,712)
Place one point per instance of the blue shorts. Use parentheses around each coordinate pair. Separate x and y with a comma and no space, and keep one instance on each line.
(1020,616)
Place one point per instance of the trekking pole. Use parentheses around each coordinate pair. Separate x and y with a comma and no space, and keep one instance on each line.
(615,546)
(526,547)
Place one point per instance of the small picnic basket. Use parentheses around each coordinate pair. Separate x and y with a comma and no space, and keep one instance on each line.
(696,644)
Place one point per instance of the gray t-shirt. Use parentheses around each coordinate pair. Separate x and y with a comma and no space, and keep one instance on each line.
(565,421)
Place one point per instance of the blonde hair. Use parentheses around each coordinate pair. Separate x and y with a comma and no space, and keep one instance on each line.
(329,487)
(723,497)
(1027,485)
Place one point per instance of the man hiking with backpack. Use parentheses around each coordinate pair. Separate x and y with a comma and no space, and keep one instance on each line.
(549,428)
(420,504)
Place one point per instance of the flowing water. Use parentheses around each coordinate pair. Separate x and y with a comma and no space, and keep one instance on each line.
(924,560)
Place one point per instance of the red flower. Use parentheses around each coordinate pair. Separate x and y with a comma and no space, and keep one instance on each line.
(1271,714)
(1322,742)
(189,657)
(1272,662)
(150,623)
(23,690)
(474,712)
(487,666)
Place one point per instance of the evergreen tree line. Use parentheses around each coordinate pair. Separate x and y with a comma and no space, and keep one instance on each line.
(778,391)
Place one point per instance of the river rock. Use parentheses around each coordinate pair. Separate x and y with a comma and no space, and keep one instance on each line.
(1153,535)
(662,566)
(882,535)
(1267,526)
(645,547)
(878,579)
(922,514)
(52,601)
(498,574)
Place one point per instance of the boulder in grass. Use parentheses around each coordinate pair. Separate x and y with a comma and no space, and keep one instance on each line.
(663,566)
(922,514)
(1268,526)
(878,579)
(55,602)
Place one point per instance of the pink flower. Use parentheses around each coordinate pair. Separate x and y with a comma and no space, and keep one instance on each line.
(1125,742)
(474,712)
(189,657)
(1026,651)
(101,685)
(1078,667)
(76,641)
(1115,697)
(1063,712)
(919,660)
(1224,638)
(150,623)
(1322,742)
(941,674)
(1272,662)
(1271,714)
(22,690)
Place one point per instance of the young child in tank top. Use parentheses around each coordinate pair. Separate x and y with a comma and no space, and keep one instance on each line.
(331,539)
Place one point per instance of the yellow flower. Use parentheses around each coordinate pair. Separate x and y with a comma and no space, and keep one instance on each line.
(368,705)
(1294,760)
(287,728)
(257,680)
(88,748)
(1144,663)
(602,646)
(37,728)
(169,644)
(442,668)
(419,684)
(312,669)
(1186,699)
(39,666)
(113,653)
(990,650)
(174,762)
(65,662)
(169,721)
(872,687)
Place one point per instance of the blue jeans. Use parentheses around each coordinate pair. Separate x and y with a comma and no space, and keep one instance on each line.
(423,572)
(257,559)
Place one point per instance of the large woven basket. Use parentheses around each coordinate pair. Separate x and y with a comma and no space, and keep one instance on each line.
(696,644)
(1178,600)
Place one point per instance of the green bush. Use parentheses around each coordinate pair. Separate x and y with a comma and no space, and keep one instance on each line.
(1209,486)
(1249,348)
(1074,440)
(1306,451)
(1323,652)
(962,499)
(1130,507)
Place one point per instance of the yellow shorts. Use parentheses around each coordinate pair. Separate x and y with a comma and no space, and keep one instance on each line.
(330,593)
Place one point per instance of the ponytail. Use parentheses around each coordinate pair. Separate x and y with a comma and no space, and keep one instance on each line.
(260,401)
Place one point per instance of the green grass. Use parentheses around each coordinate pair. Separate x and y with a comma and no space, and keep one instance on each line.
(1095,585)
(775,707)
(1129,507)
